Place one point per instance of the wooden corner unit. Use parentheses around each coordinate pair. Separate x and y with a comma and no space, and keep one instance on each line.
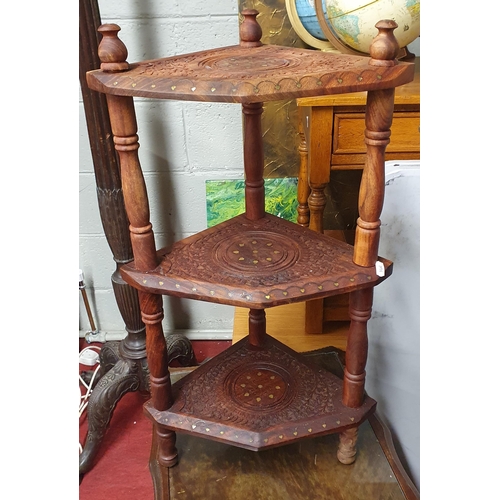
(259,393)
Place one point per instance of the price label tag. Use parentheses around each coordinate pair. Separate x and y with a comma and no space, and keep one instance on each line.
(379,269)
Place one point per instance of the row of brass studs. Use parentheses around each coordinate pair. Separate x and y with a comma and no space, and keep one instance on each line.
(266,440)
(248,297)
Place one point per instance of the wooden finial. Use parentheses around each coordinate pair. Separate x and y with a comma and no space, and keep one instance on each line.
(250,30)
(112,51)
(384,48)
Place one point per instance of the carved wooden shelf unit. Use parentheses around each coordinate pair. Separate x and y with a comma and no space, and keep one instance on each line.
(259,393)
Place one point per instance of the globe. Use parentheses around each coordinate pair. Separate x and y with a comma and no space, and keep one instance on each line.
(302,16)
(353,21)
(307,14)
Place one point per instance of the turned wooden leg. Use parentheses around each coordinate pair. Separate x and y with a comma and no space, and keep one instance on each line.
(360,306)
(346,453)
(160,385)
(257,327)
(303,189)
(167,452)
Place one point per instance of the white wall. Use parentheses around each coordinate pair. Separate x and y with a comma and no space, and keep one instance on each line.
(182,144)
(393,367)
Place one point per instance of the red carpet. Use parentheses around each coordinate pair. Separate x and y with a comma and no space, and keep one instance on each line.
(121,469)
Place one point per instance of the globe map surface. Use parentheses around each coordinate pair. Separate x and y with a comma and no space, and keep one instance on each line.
(353,21)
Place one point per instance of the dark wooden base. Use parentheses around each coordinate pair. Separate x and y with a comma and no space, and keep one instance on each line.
(122,373)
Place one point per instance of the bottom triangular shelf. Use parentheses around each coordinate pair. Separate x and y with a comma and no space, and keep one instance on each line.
(258,398)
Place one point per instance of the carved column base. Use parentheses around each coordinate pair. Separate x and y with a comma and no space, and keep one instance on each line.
(120,376)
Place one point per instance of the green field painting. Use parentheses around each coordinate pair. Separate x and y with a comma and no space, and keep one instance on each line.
(226,199)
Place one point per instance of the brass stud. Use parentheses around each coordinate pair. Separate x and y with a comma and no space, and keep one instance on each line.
(302,290)
(115,83)
(258,400)
(212,89)
(246,394)
(281,436)
(194,289)
(207,429)
(338,422)
(298,84)
(144,281)
(320,287)
(241,244)
(236,251)
(193,426)
(268,297)
(368,277)
(173,87)
(266,440)
(269,259)
(160,283)
(360,78)
(241,258)
(193,88)
(134,84)
(259,374)
(212,292)
(153,86)
(277,87)
(336,284)
(278,387)
(352,419)
(271,396)
(295,433)
(221,432)
(351,279)
(243,385)
(260,386)
(285,293)
(309,430)
(339,80)
(255,261)
(273,377)
(177,285)
(324,426)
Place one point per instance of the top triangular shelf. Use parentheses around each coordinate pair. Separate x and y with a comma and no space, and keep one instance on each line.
(249,72)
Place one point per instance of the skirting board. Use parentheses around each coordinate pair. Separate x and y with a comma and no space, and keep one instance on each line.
(190,334)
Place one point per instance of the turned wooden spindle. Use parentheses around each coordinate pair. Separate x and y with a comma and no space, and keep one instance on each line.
(256,327)
(124,127)
(303,189)
(378,119)
(250,30)
(253,158)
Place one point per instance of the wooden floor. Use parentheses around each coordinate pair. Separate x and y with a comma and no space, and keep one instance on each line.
(286,324)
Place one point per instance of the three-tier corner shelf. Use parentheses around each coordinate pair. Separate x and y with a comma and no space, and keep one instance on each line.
(258,393)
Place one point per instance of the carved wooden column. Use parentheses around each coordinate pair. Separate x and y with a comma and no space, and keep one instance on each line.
(378,118)
(123,364)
